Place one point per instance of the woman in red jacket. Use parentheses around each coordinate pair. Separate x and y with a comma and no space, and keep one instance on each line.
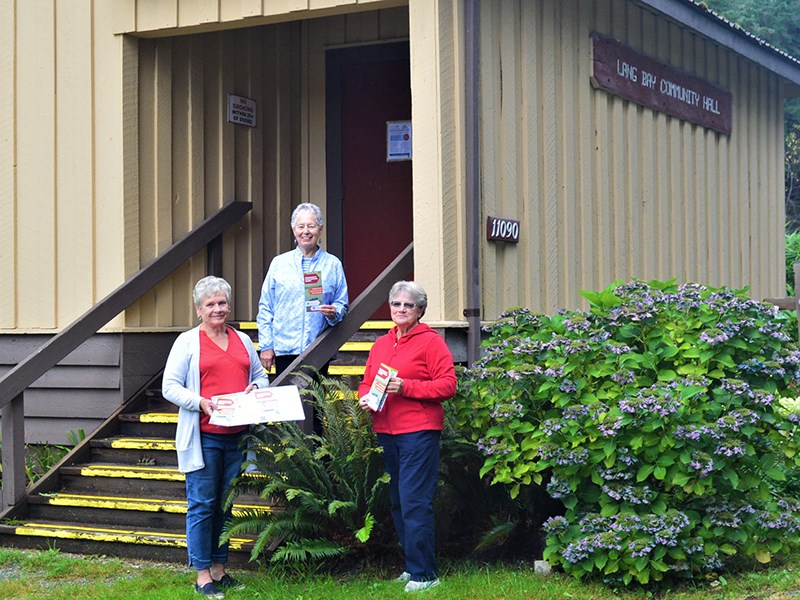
(410,423)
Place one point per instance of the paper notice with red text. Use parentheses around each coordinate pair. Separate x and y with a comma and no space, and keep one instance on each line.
(281,403)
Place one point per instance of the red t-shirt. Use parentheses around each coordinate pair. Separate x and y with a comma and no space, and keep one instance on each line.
(222,372)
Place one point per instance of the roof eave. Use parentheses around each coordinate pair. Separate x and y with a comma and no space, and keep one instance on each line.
(693,16)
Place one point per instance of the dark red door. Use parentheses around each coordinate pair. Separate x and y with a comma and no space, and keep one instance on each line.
(376,203)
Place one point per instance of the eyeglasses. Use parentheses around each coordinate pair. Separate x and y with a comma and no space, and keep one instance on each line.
(303,227)
(406,305)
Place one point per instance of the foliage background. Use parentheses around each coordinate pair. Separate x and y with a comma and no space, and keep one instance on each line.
(665,419)
(778,23)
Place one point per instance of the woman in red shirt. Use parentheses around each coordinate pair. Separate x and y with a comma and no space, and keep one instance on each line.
(209,360)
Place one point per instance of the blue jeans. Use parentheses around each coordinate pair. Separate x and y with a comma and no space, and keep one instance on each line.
(412,461)
(205,492)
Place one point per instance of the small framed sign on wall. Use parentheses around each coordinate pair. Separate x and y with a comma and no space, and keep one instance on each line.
(398,140)
(241,110)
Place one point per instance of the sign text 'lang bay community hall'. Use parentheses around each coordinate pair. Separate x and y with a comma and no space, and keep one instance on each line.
(621,70)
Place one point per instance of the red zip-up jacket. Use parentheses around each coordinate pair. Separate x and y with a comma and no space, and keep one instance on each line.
(425,364)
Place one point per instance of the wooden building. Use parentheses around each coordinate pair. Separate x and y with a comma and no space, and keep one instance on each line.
(608,139)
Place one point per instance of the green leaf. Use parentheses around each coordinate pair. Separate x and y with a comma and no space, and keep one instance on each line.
(763,556)
(600,561)
(609,510)
(727,549)
(667,374)
(665,460)
(690,391)
(776,474)
(644,472)
(362,535)
(680,479)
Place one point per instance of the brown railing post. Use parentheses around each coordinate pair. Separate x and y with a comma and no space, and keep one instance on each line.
(13,430)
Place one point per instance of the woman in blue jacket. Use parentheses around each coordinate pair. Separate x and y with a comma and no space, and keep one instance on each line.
(289,318)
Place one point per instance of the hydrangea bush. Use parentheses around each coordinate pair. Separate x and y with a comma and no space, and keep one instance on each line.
(663,418)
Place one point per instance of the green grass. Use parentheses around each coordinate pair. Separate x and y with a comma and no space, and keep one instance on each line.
(49,574)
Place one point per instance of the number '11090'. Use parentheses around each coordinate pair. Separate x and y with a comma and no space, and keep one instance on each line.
(503,230)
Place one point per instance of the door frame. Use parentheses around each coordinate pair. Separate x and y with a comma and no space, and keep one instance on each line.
(335,60)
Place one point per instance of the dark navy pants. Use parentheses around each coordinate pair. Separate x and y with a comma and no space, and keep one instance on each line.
(412,461)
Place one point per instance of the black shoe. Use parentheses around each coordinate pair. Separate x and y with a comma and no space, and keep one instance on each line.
(209,590)
(229,583)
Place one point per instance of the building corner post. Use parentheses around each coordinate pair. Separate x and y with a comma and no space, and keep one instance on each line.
(473,208)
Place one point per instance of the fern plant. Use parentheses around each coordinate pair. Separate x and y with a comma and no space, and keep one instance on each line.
(328,491)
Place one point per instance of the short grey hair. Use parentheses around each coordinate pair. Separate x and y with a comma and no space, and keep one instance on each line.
(312,208)
(414,290)
(210,286)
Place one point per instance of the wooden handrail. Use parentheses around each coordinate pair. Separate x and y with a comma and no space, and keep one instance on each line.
(18,379)
(59,346)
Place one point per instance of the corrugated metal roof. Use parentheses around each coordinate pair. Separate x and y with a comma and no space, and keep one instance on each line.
(705,21)
(703,6)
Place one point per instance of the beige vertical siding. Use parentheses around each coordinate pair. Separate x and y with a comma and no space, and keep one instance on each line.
(51,257)
(437,88)
(606,189)
(8,160)
(60,161)
(113,146)
(192,162)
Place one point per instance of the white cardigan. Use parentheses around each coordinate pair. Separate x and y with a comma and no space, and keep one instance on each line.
(181,386)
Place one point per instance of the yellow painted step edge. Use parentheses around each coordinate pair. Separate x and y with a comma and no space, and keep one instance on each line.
(143,504)
(346,370)
(97,534)
(157,473)
(143,444)
(158,418)
(356,347)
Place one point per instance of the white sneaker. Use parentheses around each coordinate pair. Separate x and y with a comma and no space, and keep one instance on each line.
(403,577)
(418,586)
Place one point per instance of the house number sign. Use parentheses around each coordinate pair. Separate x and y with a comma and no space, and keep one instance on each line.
(502,230)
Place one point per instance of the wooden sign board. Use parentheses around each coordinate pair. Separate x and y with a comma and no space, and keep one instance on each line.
(621,70)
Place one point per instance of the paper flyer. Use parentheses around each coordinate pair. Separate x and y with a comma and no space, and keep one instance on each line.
(377,392)
(273,404)
(313,285)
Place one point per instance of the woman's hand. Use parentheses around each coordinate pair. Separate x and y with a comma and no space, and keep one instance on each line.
(250,387)
(267,359)
(362,403)
(395,386)
(207,406)
(328,311)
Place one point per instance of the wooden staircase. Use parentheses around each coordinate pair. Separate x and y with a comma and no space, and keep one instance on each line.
(119,493)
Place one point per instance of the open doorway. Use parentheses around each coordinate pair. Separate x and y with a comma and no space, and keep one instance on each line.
(369,190)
